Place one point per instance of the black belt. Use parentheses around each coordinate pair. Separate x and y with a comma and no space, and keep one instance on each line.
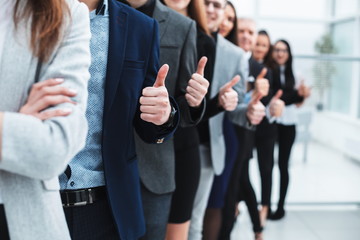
(82,197)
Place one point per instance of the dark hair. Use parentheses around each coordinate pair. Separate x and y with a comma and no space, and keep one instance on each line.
(268,59)
(289,74)
(197,12)
(47,21)
(232,36)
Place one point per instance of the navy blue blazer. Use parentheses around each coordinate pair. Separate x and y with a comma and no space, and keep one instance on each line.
(132,65)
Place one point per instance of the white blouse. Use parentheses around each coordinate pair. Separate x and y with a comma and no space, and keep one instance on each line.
(289,115)
(6,11)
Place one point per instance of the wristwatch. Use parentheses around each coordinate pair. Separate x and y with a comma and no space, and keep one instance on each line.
(170,121)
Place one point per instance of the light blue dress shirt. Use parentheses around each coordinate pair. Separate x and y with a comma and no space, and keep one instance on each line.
(87,166)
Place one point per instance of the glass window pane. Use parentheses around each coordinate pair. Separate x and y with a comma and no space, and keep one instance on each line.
(294,32)
(345,7)
(244,7)
(340,90)
(308,9)
(344,37)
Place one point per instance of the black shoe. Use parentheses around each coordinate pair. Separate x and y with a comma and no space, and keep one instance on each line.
(279,214)
(269,213)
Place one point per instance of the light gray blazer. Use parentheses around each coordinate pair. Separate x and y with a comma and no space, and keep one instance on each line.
(177,49)
(35,152)
(230,61)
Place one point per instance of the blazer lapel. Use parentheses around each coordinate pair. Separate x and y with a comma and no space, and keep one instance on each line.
(160,14)
(117,44)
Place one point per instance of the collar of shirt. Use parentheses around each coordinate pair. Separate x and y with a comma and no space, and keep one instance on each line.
(101,10)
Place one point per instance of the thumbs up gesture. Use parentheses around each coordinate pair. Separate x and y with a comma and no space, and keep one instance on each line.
(276,104)
(197,85)
(256,110)
(304,90)
(154,102)
(228,97)
(262,84)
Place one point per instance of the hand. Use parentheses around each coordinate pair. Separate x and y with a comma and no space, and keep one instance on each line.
(46,94)
(304,90)
(276,104)
(228,97)
(154,103)
(262,84)
(197,85)
(256,110)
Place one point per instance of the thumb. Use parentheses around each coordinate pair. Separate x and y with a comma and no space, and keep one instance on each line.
(262,74)
(278,95)
(201,66)
(161,76)
(256,97)
(232,83)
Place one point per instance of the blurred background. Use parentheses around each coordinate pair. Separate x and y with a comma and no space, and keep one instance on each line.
(324,192)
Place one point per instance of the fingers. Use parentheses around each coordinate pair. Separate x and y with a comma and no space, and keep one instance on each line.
(278,94)
(201,66)
(262,73)
(229,100)
(160,79)
(44,103)
(154,92)
(38,90)
(230,84)
(256,97)
(255,112)
(193,101)
(49,82)
(54,113)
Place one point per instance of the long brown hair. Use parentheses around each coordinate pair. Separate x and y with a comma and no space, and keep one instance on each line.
(47,20)
(197,12)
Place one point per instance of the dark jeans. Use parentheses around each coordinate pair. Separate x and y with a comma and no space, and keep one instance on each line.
(91,222)
(4,233)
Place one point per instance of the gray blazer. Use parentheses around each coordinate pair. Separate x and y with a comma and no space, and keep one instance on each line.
(230,61)
(178,49)
(35,152)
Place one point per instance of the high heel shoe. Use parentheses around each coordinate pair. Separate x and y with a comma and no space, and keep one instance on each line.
(279,214)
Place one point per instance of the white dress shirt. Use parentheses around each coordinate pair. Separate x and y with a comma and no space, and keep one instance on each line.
(5,21)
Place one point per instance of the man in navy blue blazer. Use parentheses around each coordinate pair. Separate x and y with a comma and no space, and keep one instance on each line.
(100,188)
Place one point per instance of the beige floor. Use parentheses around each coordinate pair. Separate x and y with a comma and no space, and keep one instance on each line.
(323,201)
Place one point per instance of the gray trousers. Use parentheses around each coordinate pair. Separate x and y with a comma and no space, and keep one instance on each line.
(156,213)
(202,195)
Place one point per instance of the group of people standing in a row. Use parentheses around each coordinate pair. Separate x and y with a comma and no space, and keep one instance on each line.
(140,152)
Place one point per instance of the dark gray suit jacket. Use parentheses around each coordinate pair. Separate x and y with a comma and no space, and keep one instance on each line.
(178,50)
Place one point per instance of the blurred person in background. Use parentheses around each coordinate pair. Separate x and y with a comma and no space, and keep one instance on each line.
(42,111)
(213,217)
(284,79)
(240,187)
(186,140)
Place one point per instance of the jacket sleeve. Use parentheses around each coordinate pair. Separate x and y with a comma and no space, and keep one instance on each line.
(189,116)
(238,116)
(42,149)
(150,132)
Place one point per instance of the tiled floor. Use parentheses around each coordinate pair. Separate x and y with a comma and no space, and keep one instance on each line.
(323,201)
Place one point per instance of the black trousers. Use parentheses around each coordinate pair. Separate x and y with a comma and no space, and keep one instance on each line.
(286,138)
(265,151)
(4,232)
(91,222)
